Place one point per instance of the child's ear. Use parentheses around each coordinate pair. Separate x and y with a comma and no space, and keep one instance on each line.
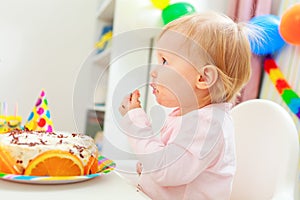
(207,76)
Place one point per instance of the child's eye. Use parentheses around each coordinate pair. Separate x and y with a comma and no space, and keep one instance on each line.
(164,61)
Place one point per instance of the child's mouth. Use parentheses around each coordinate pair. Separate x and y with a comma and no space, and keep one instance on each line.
(154,87)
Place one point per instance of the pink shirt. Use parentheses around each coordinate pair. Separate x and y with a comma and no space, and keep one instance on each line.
(192,157)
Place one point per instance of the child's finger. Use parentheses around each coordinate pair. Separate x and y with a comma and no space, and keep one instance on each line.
(125,102)
(137,92)
(128,97)
(135,96)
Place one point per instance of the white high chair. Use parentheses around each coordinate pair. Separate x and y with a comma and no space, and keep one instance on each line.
(267,148)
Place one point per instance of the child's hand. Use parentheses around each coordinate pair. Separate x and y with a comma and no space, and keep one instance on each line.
(139,168)
(130,102)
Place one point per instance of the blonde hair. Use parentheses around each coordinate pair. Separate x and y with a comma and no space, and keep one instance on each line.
(226,46)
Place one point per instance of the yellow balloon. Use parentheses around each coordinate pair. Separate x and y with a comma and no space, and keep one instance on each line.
(160,4)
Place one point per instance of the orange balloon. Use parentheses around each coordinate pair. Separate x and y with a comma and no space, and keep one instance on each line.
(289,27)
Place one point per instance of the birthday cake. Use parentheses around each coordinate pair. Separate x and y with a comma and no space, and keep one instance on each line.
(41,153)
(38,150)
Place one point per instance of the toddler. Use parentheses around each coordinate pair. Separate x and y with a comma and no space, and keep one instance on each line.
(204,61)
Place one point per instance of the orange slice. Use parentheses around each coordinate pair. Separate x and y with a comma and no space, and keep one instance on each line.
(7,163)
(55,163)
(92,166)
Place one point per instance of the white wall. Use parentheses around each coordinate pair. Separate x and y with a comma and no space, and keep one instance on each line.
(42,45)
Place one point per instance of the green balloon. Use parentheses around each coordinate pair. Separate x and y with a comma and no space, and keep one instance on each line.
(176,10)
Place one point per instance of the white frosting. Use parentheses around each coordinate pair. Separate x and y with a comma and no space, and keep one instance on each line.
(26,145)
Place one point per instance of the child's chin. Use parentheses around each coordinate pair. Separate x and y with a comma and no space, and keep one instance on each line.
(167,105)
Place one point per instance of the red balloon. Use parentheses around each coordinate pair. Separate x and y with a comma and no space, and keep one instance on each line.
(289,27)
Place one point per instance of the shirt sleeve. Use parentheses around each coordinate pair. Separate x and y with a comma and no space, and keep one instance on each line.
(176,163)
